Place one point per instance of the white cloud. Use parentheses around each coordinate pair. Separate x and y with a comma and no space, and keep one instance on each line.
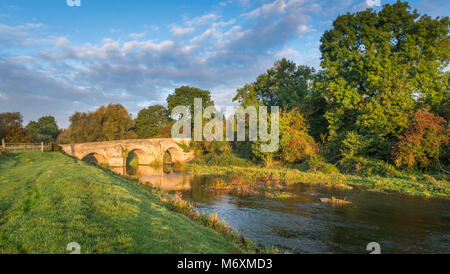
(18,35)
(138,35)
(202,20)
(180,31)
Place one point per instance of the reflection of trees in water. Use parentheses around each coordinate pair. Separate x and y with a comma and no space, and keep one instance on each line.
(167,158)
(132,163)
(168,165)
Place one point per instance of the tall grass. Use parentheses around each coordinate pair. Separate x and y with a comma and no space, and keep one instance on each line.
(223,159)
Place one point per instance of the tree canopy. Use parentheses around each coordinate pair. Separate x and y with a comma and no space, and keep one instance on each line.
(285,85)
(105,124)
(151,120)
(381,66)
(185,95)
(11,128)
(44,130)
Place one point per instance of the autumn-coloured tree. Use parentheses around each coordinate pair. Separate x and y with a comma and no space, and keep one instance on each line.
(105,124)
(11,128)
(296,144)
(421,144)
(15,133)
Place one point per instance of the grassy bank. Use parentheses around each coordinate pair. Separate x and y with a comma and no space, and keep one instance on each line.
(48,200)
(424,185)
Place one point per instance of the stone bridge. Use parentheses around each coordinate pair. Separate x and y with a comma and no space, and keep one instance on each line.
(113,153)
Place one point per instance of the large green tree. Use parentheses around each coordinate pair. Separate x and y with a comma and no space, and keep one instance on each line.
(151,120)
(185,95)
(44,130)
(285,85)
(379,66)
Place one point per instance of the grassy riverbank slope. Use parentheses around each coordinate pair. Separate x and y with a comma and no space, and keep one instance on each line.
(422,185)
(48,200)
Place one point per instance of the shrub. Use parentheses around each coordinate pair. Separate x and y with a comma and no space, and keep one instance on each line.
(352,145)
(296,144)
(367,167)
(317,164)
(268,158)
(185,147)
(206,147)
(420,146)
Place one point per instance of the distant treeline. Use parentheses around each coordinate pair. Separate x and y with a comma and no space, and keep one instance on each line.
(11,129)
(107,123)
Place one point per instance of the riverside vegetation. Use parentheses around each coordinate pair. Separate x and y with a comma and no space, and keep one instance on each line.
(320,173)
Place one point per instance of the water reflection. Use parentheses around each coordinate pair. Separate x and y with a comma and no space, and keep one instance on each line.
(144,171)
(302,224)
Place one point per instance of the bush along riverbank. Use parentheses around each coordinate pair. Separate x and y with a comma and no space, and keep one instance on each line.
(420,185)
(48,200)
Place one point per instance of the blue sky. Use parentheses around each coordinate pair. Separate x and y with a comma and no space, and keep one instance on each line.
(56,59)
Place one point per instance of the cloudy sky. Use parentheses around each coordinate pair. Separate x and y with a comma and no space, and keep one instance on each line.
(56,59)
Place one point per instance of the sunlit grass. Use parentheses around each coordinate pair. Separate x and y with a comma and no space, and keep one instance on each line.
(48,200)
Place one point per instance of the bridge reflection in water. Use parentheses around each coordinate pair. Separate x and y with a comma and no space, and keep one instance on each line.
(158,178)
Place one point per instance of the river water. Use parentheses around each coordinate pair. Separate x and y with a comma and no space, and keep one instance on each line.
(304,224)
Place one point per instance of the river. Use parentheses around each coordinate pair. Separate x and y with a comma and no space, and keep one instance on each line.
(302,223)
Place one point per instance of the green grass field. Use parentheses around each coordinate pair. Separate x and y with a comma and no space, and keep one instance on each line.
(48,200)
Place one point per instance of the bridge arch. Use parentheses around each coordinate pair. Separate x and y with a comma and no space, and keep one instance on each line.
(176,153)
(101,159)
(141,154)
(134,158)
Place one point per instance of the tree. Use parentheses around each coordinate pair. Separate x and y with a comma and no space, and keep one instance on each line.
(151,121)
(314,108)
(16,134)
(421,144)
(292,88)
(295,142)
(11,128)
(63,137)
(10,118)
(105,124)
(285,85)
(381,66)
(117,123)
(185,95)
(85,127)
(44,130)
